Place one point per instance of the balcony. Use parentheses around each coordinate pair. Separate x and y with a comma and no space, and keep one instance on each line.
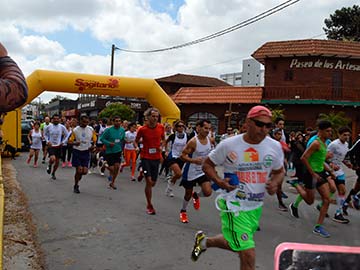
(313,92)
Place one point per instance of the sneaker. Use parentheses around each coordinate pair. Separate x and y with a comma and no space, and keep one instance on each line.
(76,189)
(121,168)
(48,169)
(344,209)
(28,160)
(293,210)
(102,174)
(356,202)
(318,207)
(150,210)
(339,218)
(43,161)
(111,185)
(284,196)
(282,207)
(69,164)
(184,217)
(293,182)
(197,249)
(35,165)
(140,177)
(321,231)
(53,177)
(63,165)
(169,192)
(196,201)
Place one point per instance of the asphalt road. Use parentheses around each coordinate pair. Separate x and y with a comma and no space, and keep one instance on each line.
(109,229)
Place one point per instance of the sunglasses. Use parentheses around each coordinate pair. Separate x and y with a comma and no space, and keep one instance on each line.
(261,124)
(180,126)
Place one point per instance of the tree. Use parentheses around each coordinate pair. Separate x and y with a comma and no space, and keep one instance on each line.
(277,113)
(337,120)
(344,24)
(117,109)
(58,97)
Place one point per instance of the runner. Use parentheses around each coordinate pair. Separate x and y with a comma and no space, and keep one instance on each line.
(42,128)
(194,154)
(129,150)
(55,135)
(339,149)
(83,138)
(152,135)
(112,139)
(315,177)
(178,141)
(255,159)
(35,139)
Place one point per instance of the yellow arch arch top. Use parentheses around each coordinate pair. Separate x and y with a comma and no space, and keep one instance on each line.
(79,83)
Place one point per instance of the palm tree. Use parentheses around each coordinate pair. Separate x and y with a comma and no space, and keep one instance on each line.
(337,120)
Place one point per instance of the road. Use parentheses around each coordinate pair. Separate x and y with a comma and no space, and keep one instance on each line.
(106,229)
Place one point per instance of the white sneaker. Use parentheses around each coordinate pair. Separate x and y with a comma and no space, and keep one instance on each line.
(169,190)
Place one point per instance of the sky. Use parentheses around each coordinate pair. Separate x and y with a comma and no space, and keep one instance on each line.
(76,35)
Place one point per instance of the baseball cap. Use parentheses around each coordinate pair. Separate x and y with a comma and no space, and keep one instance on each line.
(259,111)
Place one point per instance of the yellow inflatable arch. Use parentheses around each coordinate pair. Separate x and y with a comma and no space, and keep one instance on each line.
(78,83)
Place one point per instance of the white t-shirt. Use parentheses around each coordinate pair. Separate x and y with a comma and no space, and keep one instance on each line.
(84,135)
(129,140)
(252,163)
(55,134)
(339,150)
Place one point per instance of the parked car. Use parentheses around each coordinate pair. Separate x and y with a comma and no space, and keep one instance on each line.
(26,126)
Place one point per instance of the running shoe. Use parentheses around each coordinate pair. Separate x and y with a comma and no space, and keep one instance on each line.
(293,182)
(339,218)
(63,165)
(319,230)
(184,217)
(35,165)
(132,178)
(121,168)
(282,207)
(284,196)
(28,160)
(76,189)
(43,161)
(344,209)
(318,207)
(293,210)
(53,177)
(69,164)
(150,210)
(356,202)
(196,200)
(48,169)
(140,177)
(169,190)
(111,185)
(197,249)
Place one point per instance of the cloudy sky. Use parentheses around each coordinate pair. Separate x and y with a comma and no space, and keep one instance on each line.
(76,35)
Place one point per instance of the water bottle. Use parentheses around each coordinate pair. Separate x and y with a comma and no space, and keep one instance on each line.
(234,180)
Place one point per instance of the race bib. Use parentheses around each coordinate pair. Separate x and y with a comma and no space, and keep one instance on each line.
(152,150)
(117,140)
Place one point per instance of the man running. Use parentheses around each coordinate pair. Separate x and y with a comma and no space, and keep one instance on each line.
(256,161)
(339,149)
(194,154)
(152,135)
(83,138)
(315,177)
(178,141)
(42,128)
(112,138)
(55,135)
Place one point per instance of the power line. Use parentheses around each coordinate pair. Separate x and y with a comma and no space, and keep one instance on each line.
(240,25)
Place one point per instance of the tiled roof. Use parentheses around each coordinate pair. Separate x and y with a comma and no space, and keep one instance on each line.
(308,47)
(193,80)
(228,94)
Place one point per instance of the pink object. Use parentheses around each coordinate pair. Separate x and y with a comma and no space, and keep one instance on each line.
(259,111)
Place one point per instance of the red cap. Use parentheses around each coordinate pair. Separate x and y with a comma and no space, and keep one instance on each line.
(259,111)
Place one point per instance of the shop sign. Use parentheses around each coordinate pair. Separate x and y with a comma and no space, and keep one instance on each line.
(326,64)
(82,84)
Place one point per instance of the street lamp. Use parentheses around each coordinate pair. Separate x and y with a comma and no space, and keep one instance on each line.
(113,48)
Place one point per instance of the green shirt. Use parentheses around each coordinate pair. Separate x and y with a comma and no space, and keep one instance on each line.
(113,135)
(317,159)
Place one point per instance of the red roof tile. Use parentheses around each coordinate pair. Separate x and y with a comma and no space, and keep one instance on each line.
(308,47)
(193,80)
(228,94)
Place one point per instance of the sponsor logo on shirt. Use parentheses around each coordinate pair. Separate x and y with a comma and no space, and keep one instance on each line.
(251,155)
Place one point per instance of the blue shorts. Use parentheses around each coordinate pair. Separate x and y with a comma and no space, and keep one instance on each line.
(80,158)
(340,180)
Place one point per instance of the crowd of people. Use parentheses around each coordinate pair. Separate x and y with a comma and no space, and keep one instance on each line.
(255,162)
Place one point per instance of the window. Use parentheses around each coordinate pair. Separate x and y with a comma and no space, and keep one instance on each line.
(289,75)
(337,84)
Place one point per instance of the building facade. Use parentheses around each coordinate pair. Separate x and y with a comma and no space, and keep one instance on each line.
(251,75)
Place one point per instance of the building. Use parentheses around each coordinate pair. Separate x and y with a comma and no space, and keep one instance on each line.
(303,77)
(58,106)
(251,75)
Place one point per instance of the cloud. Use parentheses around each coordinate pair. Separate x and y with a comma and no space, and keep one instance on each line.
(25,27)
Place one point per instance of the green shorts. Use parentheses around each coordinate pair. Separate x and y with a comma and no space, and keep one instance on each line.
(238,229)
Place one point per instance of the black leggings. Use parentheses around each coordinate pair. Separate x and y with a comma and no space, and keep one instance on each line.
(66,149)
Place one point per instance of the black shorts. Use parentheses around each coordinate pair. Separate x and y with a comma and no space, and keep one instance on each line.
(54,151)
(311,183)
(113,158)
(43,144)
(150,168)
(172,161)
(80,158)
(358,175)
(190,184)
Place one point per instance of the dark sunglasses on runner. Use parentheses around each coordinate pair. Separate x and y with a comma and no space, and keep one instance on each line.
(261,124)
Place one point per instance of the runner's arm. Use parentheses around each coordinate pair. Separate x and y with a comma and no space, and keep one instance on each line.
(209,169)
(189,149)
(276,178)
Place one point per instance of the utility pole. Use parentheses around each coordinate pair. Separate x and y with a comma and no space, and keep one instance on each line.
(113,48)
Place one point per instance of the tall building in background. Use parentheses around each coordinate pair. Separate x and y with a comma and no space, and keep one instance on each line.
(251,75)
